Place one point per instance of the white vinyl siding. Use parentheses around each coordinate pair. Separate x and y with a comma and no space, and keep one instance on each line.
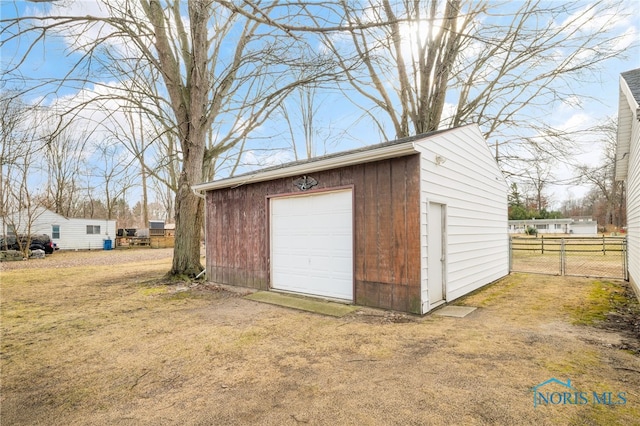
(633,207)
(468,181)
(73,232)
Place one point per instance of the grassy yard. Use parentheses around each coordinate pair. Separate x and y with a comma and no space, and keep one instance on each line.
(107,345)
(583,256)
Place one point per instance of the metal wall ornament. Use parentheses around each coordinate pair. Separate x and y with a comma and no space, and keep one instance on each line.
(305,183)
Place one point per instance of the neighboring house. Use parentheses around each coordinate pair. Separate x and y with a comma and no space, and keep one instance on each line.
(67,233)
(405,225)
(170,229)
(628,166)
(543,226)
(577,226)
(583,226)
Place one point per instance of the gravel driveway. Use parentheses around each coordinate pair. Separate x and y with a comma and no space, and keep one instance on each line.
(70,258)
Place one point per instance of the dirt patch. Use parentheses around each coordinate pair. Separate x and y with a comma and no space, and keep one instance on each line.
(103,345)
(623,317)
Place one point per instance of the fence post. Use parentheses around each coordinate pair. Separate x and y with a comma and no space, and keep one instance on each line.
(542,243)
(562,257)
(625,259)
(510,253)
(604,247)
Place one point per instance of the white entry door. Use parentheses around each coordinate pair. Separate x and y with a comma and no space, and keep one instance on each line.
(436,259)
(312,244)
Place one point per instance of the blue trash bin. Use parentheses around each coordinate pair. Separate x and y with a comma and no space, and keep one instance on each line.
(106,244)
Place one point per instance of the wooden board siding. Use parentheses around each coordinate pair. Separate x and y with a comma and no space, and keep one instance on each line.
(471,186)
(386,231)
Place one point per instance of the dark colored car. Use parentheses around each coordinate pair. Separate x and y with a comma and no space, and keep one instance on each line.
(42,242)
(38,242)
(8,243)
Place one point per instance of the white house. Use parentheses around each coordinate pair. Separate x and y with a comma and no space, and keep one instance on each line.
(628,165)
(67,233)
(405,225)
(583,226)
(573,226)
(543,226)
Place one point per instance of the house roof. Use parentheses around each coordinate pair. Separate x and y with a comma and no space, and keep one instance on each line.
(539,221)
(633,81)
(381,151)
(628,110)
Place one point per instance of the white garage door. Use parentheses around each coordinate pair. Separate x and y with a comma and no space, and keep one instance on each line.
(312,244)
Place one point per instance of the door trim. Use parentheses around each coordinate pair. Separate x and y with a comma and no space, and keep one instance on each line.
(443,255)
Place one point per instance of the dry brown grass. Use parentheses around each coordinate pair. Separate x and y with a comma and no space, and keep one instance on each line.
(610,263)
(104,345)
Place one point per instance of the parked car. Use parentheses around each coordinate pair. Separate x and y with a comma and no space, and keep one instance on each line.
(8,243)
(42,242)
(37,242)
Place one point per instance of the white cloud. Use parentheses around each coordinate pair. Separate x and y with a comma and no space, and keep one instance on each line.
(82,35)
(578,121)
(254,159)
(628,38)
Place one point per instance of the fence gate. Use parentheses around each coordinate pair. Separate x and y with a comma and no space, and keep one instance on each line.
(603,257)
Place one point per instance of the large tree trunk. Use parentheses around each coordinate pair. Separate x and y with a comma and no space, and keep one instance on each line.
(189,221)
(191,112)
(189,206)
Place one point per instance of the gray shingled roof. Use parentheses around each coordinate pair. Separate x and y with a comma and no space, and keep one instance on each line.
(633,81)
(343,153)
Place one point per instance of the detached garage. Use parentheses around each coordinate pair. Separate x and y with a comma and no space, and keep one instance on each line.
(405,225)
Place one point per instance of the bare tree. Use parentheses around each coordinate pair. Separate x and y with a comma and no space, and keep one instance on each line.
(301,118)
(212,74)
(63,155)
(211,67)
(537,178)
(20,203)
(606,191)
(419,65)
(112,172)
(13,132)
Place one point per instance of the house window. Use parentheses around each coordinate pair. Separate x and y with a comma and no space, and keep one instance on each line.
(11,230)
(558,226)
(55,232)
(93,229)
(544,226)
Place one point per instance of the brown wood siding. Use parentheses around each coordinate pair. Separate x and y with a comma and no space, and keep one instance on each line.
(386,231)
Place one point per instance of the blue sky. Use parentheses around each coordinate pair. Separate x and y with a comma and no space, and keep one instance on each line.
(337,119)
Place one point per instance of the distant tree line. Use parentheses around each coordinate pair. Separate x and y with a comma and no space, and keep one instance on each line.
(523,207)
(604,202)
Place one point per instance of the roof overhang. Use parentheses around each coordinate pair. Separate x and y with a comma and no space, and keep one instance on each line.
(315,165)
(628,111)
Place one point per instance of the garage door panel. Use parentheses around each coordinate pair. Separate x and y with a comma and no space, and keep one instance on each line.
(312,244)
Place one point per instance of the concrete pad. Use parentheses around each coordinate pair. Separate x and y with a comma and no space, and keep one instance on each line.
(302,303)
(455,311)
